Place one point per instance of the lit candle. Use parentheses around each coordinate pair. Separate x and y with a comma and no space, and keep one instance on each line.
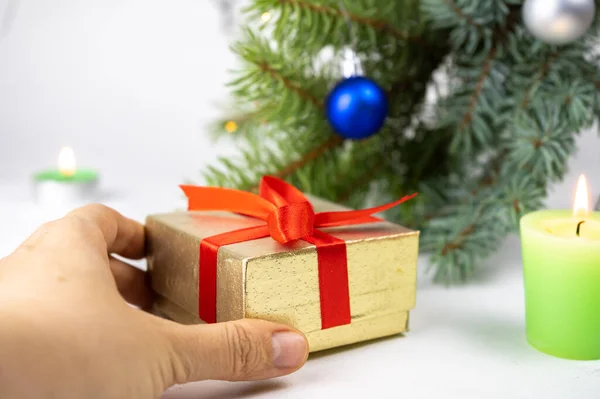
(67,185)
(561,264)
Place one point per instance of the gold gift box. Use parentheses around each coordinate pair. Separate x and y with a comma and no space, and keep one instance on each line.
(266,280)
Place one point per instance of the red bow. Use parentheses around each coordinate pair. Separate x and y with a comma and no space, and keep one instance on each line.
(289,217)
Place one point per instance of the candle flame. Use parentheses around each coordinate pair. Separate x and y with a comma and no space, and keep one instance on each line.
(582,202)
(66,162)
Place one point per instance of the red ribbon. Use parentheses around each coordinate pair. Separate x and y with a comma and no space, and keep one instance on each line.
(289,217)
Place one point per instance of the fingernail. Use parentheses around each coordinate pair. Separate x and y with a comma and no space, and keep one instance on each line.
(289,350)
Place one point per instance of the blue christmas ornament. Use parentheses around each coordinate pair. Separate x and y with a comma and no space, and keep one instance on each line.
(356,108)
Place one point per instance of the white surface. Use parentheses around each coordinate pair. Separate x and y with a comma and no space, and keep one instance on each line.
(465,342)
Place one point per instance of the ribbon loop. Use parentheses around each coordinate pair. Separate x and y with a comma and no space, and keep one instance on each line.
(291,222)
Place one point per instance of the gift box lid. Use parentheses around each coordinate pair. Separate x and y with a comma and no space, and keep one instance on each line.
(202,224)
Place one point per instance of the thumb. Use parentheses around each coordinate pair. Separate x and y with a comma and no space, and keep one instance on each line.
(235,351)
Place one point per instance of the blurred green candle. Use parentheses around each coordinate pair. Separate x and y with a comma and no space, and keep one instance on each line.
(561,264)
(66,185)
(78,176)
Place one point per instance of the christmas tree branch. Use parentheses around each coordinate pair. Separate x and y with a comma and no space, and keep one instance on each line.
(460,238)
(289,84)
(513,182)
(476,127)
(310,156)
(456,9)
(364,178)
(402,85)
(493,171)
(377,24)
(485,72)
(305,159)
(489,146)
(485,182)
(541,76)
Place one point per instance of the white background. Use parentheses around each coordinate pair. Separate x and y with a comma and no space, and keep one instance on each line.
(131,85)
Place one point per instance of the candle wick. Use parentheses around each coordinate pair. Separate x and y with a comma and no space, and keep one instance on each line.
(579,226)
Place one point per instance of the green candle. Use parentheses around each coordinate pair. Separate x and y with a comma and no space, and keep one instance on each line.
(561,264)
(79,176)
(66,184)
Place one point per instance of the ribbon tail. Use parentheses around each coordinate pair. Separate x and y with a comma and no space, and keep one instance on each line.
(334,290)
(226,199)
(342,218)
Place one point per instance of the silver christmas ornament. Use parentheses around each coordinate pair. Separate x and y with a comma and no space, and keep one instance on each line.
(558,21)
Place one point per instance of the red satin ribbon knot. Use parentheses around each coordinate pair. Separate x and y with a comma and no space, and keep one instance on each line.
(289,217)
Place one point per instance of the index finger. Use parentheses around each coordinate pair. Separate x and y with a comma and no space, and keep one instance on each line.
(122,235)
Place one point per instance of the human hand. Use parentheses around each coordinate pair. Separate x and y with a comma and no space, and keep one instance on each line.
(66,330)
